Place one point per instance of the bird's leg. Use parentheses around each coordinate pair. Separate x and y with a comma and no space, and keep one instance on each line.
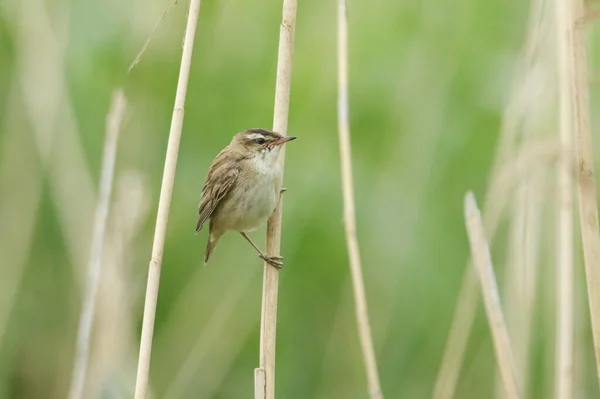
(273,260)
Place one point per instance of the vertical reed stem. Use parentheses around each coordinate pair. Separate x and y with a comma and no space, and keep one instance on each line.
(482,262)
(564,207)
(113,127)
(360,301)
(464,315)
(264,376)
(586,181)
(164,204)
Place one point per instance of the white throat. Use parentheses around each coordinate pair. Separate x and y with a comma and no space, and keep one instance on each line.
(271,155)
(266,161)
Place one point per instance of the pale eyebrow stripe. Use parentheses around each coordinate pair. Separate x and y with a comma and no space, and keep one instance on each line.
(255,136)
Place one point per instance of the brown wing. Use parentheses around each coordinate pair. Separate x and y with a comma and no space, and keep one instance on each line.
(221,177)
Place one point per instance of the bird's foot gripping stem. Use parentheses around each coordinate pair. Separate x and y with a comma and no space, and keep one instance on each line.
(273,260)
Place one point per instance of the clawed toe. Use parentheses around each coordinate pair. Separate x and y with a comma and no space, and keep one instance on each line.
(274,260)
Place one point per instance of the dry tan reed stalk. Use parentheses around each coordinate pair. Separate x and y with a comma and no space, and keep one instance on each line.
(520,287)
(164,203)
(506,175)
(514,287)
(464,315)
(503,170)
(564,207)
(522,265)
(586,181)
(536,185)
(264,375)
(74,197)
(82,353)
(112,358)
(510,174)
(483,264)
(53,124)
(360,300)
(456,344)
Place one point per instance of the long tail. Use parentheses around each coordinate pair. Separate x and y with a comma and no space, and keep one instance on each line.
(213,239)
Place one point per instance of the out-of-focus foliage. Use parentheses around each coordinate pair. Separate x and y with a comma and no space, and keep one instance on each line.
(428,84)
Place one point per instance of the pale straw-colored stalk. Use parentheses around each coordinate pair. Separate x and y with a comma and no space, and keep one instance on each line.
(519,291)
(510,174)
(112,360)
(54,125)
(264,375)
(564,207)
(482,262)
(360,300)
(164,204)
(86,318)
(464,315)
(520,285)
(586,181)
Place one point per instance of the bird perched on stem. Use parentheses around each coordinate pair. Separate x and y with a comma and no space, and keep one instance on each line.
(242,188)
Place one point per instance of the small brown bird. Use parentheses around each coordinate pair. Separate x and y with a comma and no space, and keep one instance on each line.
(242,188)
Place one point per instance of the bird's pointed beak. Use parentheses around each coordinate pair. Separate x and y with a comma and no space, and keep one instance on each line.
(282,140)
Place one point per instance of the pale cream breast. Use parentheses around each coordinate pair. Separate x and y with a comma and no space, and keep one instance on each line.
(254,197)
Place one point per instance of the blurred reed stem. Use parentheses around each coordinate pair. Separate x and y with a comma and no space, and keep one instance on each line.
(464,315)
(564,207)
(360,300)
(113,127)
(54,126)
(113,355)
(510,175)
(264,375)
(522,266)
(586,182)
(164,203)
(483,264)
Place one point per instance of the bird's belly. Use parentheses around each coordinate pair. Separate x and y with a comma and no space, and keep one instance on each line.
(251,206)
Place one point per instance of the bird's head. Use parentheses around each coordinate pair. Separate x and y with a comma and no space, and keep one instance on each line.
(254,142)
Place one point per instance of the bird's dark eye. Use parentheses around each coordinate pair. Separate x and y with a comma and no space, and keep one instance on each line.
(260,140)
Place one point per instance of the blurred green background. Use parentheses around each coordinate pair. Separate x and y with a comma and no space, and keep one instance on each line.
(428,84)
